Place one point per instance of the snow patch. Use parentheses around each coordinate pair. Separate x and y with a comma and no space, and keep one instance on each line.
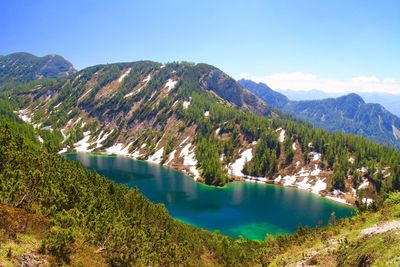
(174,104)
(118,149)
(189,160)
(136,154)
(316,171)
(362,169)
(315,156)
(62,150)
(147,79)
(184,141)
(304,185)
(237,167)
(122,77)
(83,144)
(186,104)
(364,184)
(56,106)
(320,185)
(83,96)
(102,137)
(337,199)
(294,146)
(170,157)
(281,137)
(157,156)
(396,132)
(289,180)
(170,84)
(278,179)
(23,114)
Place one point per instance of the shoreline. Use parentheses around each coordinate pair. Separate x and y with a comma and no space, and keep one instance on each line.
(337,200)
(246,178)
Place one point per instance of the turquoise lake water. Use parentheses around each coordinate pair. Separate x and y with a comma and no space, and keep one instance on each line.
(240,208)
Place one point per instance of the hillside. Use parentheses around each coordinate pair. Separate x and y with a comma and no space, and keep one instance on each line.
(23,67)
(348,113)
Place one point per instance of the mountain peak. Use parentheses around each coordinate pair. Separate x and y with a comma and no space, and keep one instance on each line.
(352,98)
(23,67)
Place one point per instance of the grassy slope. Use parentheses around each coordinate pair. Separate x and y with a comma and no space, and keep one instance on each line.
(344,244)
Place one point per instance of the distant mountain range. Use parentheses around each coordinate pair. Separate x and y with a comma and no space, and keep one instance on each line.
(389,101)
(348,113)
(23,67)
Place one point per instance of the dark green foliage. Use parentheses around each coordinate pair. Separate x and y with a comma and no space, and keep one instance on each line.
(207,153)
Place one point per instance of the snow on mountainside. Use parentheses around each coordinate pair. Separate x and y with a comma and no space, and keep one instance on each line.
(191,117)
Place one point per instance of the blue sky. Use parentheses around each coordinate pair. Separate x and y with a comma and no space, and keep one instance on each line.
(298,43)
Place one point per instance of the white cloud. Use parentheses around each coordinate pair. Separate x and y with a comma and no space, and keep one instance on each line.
(389,80)
(300,81)
(243,75)
(365,79)
(293,76)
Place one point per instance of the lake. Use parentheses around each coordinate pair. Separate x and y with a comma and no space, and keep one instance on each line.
(251,210)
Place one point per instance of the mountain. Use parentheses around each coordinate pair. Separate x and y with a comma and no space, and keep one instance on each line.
(263,91)
(195,118)
(24,67)
(389,101)
(308,95)
(348,113)
(55,212)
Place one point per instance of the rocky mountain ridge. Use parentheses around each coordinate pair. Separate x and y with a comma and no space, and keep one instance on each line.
(348,113)
(23,67)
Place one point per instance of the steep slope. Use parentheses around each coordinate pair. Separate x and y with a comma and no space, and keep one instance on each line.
(23,67)
(195,118)
(143,109)
(273,98)
(348,113)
